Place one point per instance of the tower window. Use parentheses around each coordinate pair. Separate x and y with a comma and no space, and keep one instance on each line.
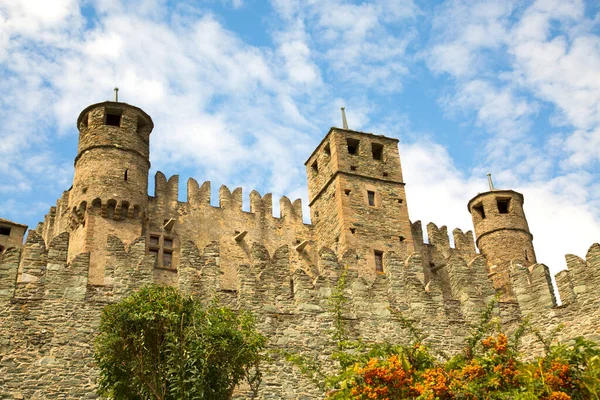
(113,117)
(385,174)
(327,150)
(352,146)
(402,238)
(168,243)
(126,173)
(4,230)
(378,260)
(353,168)
(347,191)
(315,167)
(84,120)
(154,240)
(503,205)
(479,210)
(377,150)
(141,124)
(371,197)
(353,230)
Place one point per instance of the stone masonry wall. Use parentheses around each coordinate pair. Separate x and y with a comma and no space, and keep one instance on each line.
(49,320)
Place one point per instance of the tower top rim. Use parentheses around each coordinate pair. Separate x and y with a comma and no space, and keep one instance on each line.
(495,192)
(335,128)
(117,105)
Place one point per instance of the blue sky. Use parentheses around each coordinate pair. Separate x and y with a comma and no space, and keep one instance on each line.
(241,91)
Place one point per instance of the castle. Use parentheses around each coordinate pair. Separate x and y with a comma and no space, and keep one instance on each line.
(107,236)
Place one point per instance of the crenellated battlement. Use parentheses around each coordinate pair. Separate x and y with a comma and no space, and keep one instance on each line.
(166,195)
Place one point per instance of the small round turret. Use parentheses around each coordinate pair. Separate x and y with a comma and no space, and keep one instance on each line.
(112,163)
(502,235)
(501,229)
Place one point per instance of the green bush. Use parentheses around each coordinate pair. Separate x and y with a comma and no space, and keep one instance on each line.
(157,344)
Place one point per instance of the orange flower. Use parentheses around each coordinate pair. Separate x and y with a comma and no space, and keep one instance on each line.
(559,396)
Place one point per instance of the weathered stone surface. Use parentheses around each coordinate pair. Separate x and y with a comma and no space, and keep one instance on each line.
(106,238)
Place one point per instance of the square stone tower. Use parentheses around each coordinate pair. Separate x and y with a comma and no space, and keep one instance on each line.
(357,197)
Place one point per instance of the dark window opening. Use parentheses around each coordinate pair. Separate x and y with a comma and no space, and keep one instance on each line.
(5,230)
(113,118)
(385,174)
(402,238)
(371,196)
(141,124)
(154,240)
(479,210)
(1,249)
(347,191)
(353,168)
(168,242)
(526,254)
(84,120)
(400,201)
(352,146)
(315,167)
(377,150)
(353,230)
(503,205)
(126,173)
(167,259)
(378,260)
(327,150)
(154,252)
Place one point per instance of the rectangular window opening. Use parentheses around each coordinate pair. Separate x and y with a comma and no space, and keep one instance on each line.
(154,240)
(315,167)
(4,230)
(479,210)
(353,168)
(141,124)
(113,117)
(378,260)
(167,259)
(385,174)
(168,242)
(154,252)
(377,150)
(327,150)
(503,205)
(371,196)
(352,146)
(85,119)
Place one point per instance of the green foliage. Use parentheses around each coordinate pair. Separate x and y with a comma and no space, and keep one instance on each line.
(157,344)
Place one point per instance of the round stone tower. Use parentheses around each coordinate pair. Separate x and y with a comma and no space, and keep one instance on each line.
(502,233)
(112,163)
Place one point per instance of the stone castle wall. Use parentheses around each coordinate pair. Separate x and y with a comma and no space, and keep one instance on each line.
(49,318)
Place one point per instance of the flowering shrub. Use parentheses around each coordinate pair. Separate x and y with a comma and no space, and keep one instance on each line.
(494,372)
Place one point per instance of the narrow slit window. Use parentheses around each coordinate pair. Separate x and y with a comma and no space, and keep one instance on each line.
(113,117)
(125,175)
(503,205)
(371,197)
(84,120)
(315,167)
(352,146)
(4,230)
(378,260)
(377,150)
(327,150)
(479,210)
